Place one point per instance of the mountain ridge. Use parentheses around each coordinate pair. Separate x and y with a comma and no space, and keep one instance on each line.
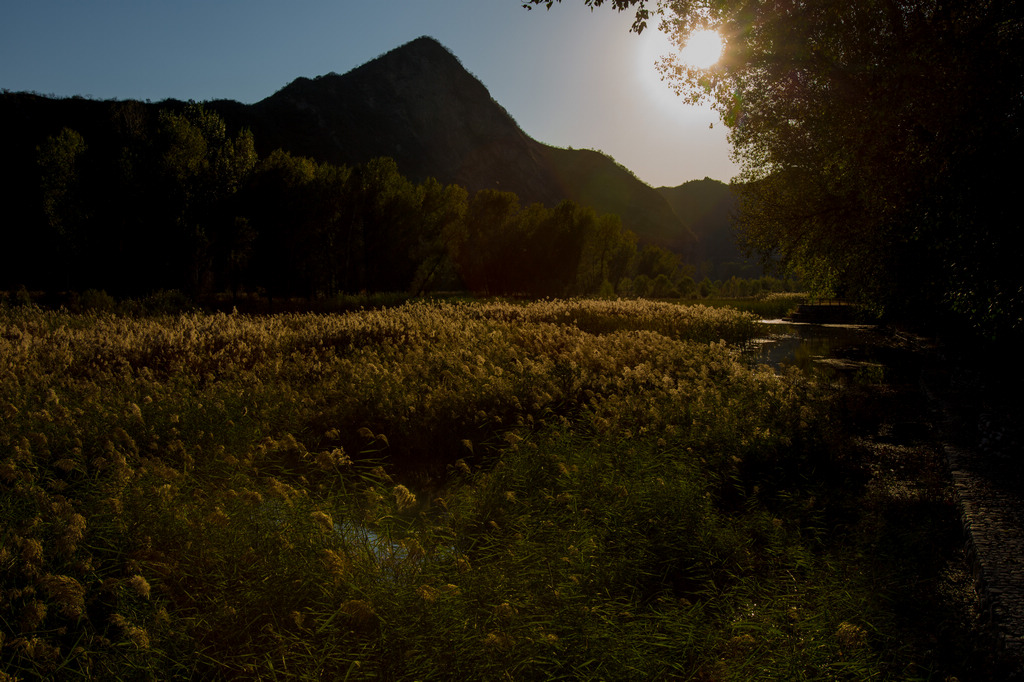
(419,105)
(710,207)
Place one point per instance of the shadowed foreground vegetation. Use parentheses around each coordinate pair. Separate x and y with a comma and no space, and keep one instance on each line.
(562,489)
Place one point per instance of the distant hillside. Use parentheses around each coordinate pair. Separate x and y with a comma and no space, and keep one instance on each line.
(416,104)
(709,208)
(592,179)
(420,106)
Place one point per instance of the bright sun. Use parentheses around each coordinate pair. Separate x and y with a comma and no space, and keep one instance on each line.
(702,49)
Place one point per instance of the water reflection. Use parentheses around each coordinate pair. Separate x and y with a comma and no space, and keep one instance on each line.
(824,351)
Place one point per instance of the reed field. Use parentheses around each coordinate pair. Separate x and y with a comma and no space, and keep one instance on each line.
(769,306)
(553,490)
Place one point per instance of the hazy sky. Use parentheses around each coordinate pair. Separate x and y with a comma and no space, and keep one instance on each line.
(570,77)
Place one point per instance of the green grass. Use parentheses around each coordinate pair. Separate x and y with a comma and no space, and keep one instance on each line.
(771,306)
(557,490)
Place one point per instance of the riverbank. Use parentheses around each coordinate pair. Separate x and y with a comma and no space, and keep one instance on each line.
(943,451)
(980,435)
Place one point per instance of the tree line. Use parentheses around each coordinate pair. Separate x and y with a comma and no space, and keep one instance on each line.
(177,201)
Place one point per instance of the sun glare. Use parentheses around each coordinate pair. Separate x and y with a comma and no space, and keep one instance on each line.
(702,49)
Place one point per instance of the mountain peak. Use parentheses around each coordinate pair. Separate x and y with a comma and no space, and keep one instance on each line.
(424,45)
(421,54)
(420,106)
(424,53)
(416,104)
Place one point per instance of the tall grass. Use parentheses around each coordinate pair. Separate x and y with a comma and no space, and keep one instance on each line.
(565,489)
(770,306)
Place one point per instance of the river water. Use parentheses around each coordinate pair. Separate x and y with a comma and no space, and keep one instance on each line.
(834,352)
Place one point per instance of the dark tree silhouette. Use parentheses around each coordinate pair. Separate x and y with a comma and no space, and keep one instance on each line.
(871,136)
(59,159)
(202,168)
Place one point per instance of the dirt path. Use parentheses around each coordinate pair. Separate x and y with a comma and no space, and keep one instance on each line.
(978,426)
(942,450)
(942,457)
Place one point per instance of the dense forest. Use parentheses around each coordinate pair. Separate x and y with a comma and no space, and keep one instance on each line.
(173,199)
(154,198)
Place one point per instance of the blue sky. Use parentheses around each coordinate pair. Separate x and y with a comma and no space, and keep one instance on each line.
(570,77)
